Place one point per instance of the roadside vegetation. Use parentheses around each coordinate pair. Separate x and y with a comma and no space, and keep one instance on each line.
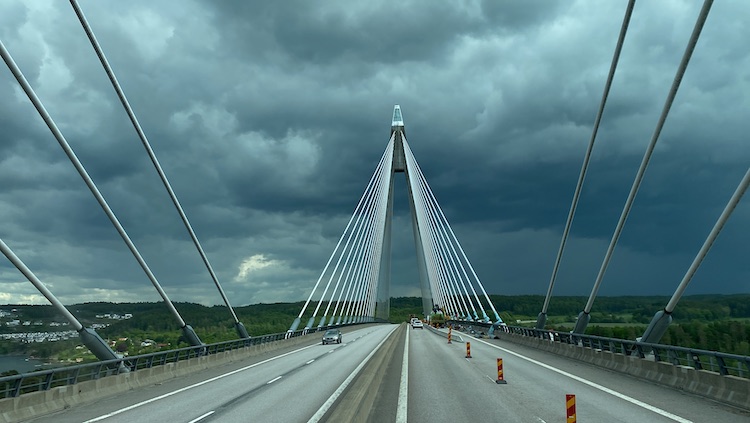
(709,322)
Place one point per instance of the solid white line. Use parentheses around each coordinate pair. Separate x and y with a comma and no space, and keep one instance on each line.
(273,380)
(169,394)
(624,397)
(403,410)
(329,402)
(310,361)
(201,417)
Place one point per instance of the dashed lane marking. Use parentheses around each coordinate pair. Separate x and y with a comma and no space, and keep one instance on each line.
(201,417)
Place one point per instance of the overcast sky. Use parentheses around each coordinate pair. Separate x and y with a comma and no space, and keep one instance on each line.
(270,117)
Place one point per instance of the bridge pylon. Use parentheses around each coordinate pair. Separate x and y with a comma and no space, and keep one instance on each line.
(399,165)
(359,269)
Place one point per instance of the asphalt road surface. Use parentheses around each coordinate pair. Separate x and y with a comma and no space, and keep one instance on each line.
(536,386)
(368,378)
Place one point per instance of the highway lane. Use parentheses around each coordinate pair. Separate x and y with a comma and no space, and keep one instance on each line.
(286,388)
(446,386)
(439,384)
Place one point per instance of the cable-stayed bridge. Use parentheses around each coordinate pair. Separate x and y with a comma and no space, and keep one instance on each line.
(362,255)
(476,368)
(381,372)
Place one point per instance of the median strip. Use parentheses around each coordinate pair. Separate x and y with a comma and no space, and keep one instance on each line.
(403,390)
(340,390)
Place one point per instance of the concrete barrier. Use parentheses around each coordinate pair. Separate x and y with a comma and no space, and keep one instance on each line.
(35,404)
(730,390)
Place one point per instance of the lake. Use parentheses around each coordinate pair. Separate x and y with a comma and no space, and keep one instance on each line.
(20,363)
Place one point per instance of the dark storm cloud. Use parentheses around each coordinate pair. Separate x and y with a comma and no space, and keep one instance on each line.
(269,119)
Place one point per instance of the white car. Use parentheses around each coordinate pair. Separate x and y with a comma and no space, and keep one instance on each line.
(417,324)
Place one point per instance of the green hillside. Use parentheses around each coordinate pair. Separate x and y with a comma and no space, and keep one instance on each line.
(711,322)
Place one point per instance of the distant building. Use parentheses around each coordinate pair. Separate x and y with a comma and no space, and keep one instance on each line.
(114,316)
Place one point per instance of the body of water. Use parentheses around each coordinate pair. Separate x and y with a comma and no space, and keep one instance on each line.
(20,363)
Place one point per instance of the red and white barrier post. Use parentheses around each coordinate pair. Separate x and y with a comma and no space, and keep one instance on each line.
(468,350)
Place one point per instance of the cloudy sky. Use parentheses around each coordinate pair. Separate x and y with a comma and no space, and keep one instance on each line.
(269,119)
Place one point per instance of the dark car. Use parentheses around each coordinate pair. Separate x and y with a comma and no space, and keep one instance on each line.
(332,336)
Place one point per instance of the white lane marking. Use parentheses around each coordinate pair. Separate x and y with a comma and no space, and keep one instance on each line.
(329,402)
(403,410)
(201,417)
(539,419)
(169,394)
(624,397)
(273,380)
(310,361)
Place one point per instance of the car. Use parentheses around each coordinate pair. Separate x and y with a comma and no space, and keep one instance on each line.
(332,336)
(417,324)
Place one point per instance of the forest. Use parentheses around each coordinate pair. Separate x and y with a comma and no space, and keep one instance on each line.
(710,322)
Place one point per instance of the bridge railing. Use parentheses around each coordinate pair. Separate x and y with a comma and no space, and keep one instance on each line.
(13,386)
(722,363)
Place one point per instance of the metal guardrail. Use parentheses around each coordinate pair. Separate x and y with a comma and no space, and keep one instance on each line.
(721,363)
(13,386)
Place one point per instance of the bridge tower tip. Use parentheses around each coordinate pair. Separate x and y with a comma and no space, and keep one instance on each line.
(398,119)
(397,123)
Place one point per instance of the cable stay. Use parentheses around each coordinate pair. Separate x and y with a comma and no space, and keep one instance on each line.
(661,320)
(584,316)
(542,318)
(350,252)
(187,330)
(428,197)
(355,284)
(89,337)
(240,328)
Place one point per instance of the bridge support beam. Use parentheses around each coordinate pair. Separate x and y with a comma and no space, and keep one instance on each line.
(657,328)
(541,320)
(581,323)
(241,331)
(191,336)
(295,325)
(98,347)
(310,323)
